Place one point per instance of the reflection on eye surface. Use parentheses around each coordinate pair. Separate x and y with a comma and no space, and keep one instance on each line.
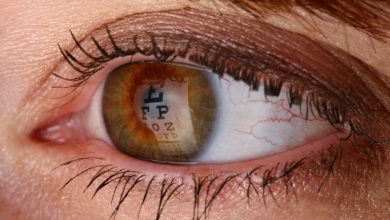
(266,105)
(158,112)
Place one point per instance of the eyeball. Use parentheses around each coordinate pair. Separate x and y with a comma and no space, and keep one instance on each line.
(172,113)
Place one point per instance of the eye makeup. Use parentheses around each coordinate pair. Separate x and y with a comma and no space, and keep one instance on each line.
(265,56)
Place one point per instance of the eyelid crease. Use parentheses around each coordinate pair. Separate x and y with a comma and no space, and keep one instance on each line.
(263,51)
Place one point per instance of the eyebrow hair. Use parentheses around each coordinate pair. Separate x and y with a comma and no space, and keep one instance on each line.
(369,16)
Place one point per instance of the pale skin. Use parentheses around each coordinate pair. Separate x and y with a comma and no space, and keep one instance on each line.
(29,189)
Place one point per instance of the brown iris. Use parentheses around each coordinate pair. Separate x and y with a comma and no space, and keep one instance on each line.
(157,111)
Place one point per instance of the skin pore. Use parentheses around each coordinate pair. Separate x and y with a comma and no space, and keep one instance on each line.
(356,188)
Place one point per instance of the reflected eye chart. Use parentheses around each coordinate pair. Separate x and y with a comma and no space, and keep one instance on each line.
(165,110)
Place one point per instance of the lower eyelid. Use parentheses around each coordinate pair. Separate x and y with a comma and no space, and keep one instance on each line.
(232,194)
(99,148)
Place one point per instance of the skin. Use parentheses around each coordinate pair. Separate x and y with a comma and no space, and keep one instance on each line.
(30,190)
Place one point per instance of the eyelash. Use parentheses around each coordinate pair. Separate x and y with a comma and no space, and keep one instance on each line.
(206,189)
(317,106)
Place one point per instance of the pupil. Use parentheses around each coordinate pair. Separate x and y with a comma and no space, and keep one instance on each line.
(159,112)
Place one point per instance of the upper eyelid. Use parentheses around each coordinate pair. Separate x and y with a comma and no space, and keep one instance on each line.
(277,47)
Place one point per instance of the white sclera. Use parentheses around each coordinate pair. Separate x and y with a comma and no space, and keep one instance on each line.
(250,125)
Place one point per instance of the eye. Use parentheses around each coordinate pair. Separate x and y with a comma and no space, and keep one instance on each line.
(221,104)
(184,113)
(175,113)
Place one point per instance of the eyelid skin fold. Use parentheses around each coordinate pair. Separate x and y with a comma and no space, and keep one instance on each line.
(256,53)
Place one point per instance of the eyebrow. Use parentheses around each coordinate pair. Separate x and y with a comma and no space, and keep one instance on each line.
(369,16)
